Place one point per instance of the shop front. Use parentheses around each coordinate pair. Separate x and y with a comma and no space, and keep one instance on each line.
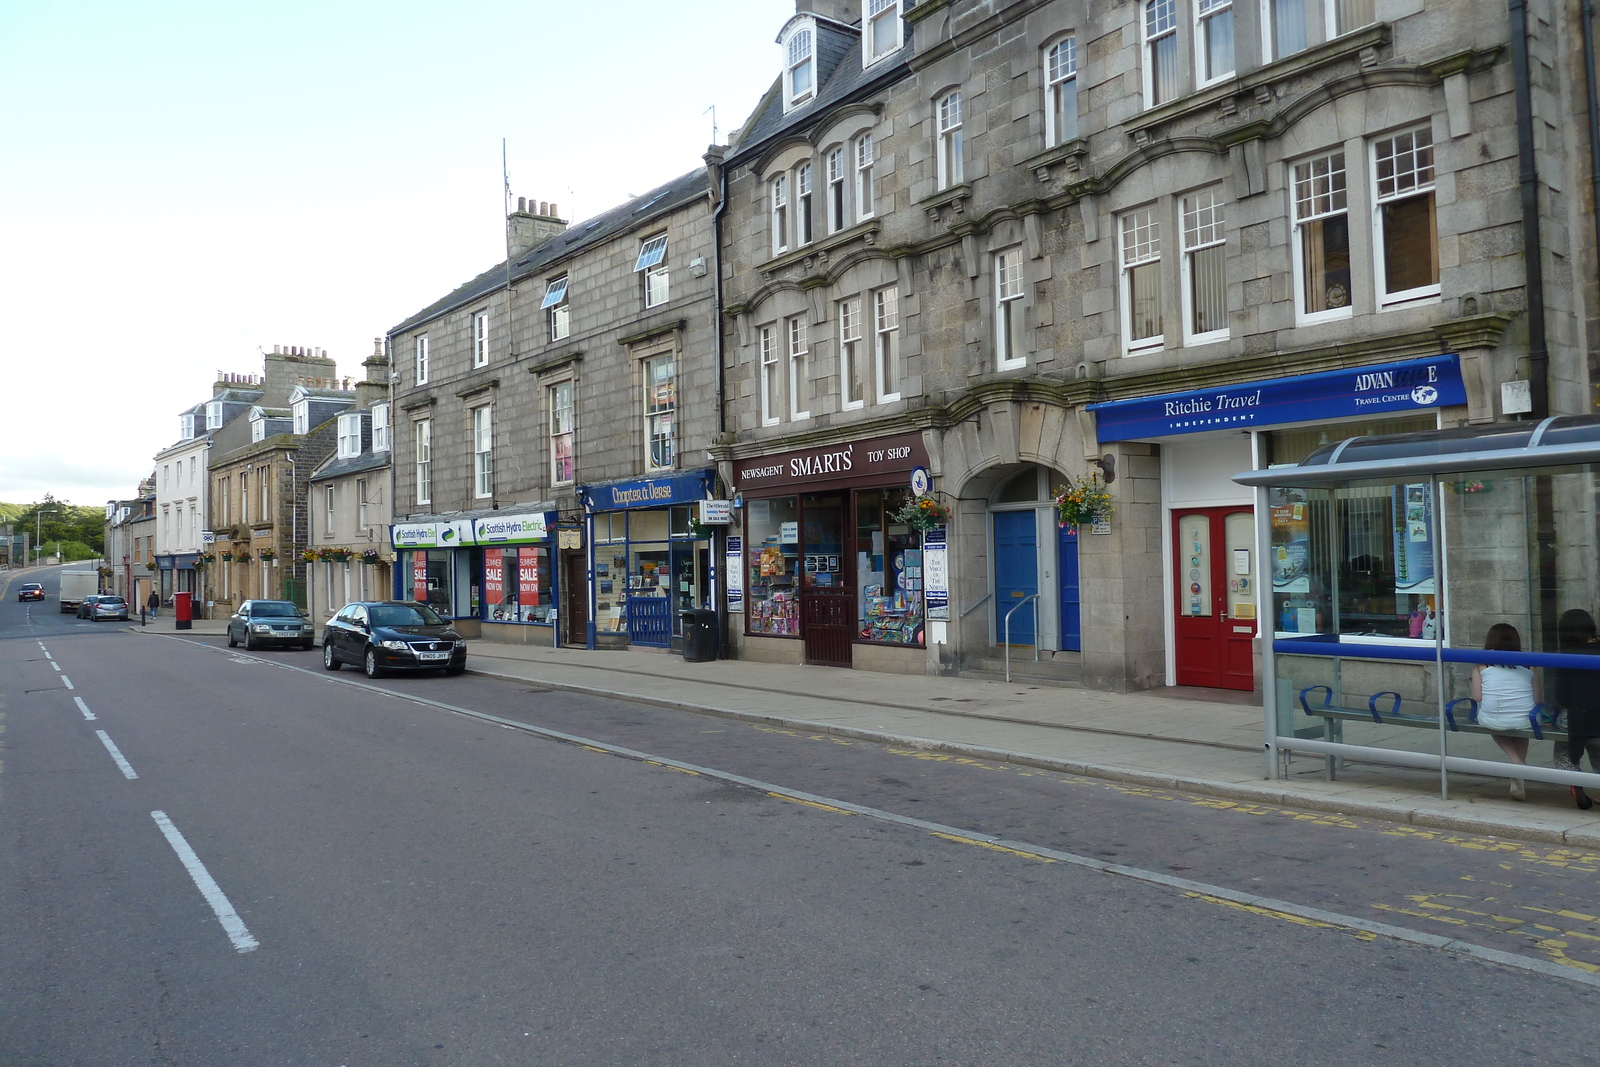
(517,588)
(1212,573)
(649,557)
(833,573)
(435,565)
(178,575)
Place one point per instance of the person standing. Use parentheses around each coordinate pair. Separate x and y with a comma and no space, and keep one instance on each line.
(1506,696)
(154,603)
(1578,691)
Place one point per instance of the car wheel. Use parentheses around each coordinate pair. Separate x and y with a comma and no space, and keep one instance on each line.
(249,642)
(330,662)
(233,642)
(373,670)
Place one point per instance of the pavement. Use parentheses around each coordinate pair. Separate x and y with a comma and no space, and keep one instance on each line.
(1189,741)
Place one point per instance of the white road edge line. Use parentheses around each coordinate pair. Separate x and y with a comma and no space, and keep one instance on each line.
(1139,874)
(67,681)
(111,747)
(234,926)
(87,714)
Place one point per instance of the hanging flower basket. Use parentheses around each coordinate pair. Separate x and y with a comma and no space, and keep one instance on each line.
(105,572)
(241,557)
(1083,502)
(699,530)
(311,555)
(150,566)
(201,562)
(371,557)
(922,514)
(336,555)
(267,555)
(227,557)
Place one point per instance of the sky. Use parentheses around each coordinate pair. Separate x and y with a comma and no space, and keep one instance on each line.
(185,185)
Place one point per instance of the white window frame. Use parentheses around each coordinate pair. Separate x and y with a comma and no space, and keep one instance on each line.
(361,503)
(866,190)
(949,147)
(302,418)
(214,415)
(800,53)
(1158,22)
(768,376)
(1060,81)
(1139,245)
(1202,225)
(1318,206)
(653,262)
(876,16)
(422,359)
(853,361)
(1207,12)
(1009,326)
(380,427)
(329,496)
(480,339)
(798,335)
(1271,10)
(778,191)
(349,436)
(244,498)
(424,435)
(887,359)
(653,411)
(838,218)
(483,451)
(1423,180)
(1332,8)
(803,220)
(563,425)
(557,311)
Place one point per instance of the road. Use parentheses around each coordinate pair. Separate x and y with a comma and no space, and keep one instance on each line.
(220,858)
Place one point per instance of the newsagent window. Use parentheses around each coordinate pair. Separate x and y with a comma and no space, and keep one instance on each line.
(773,560)
(889,570)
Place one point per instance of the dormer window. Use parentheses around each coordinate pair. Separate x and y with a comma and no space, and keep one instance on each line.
(187,426)
(258,429)
(214,415)
(380,427)
(349,436)
(883,33)
(800,72)
(302,417)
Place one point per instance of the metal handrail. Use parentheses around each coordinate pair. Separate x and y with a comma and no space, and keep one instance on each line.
(980,603)
(1033,597)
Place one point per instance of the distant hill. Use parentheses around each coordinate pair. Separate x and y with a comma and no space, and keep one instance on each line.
(9,512)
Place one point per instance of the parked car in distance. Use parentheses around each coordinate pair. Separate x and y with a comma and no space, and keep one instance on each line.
(30,591)
(86,606)
(108,607)
(392,635)
(264,623)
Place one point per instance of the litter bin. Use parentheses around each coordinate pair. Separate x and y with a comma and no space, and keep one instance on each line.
(699,635)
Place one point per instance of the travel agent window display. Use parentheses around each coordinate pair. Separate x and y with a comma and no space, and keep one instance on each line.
(839,519)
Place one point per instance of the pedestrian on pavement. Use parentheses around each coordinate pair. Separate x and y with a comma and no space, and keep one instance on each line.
(1578,691)
(1505,696)
(154,603)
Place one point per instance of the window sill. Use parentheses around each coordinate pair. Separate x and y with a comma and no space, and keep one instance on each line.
(953,197)
(1415,298)
(1146,347)
(867,230)
(1072,153)
(1260,81)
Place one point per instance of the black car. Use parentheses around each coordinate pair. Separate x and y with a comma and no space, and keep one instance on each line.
(30,591)
(387,635)
(86,606)
(264,623)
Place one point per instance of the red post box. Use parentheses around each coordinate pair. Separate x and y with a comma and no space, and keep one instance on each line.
(181,611)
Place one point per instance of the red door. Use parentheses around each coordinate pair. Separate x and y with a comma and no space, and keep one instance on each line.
(1214,570)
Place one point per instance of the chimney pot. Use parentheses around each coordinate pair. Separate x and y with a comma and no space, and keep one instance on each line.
(522,203)
(555,212)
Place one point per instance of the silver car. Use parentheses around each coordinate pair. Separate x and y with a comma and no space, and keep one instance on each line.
(109,607)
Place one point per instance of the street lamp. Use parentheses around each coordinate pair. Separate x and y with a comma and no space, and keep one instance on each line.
(38,549)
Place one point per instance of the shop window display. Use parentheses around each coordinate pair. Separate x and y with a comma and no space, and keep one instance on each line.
(430,579)
(888,570)
(516,584)
(774,560)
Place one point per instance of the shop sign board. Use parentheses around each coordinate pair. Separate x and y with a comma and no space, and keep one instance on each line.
(512,529)
(936,573)
(841,464)
(431,534)
(685,488)
(570,537)
(716,512)
(735,568)
(1378,389)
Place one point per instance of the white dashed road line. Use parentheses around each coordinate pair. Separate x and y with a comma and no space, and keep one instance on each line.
(241,937)
(87,714)
(66,681)
(116,754)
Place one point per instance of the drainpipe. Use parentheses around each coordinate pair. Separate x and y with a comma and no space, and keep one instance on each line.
(1586,16)
(719,542)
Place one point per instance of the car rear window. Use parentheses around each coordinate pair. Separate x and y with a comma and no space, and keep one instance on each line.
(110,601)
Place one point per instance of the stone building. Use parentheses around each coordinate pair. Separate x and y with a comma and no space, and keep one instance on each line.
(552,419)
(350,504)
(1020,242)
(260,474)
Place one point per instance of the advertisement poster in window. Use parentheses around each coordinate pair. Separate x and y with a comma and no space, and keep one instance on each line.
(528,579)
(1291,542)
(494,582)
(1413,539)
(419,576)
(735,572)
(936,573)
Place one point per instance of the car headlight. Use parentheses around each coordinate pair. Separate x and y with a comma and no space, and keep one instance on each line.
(461,644)
(261,627)
(398,646)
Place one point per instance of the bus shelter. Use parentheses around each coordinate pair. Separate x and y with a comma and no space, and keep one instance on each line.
(1394,561)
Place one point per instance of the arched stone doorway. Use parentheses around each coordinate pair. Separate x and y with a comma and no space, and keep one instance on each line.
(1033,564)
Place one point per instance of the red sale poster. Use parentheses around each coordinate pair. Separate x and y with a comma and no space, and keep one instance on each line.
(419,576)
(528,575)
(493,576)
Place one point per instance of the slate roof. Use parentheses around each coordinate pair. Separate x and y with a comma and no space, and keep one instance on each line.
(584,235)
(338,468)
(239,396)
(844,80)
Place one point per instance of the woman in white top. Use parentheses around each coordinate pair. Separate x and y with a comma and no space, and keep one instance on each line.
(1505,696)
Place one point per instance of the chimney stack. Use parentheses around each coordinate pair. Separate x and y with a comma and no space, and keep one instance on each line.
(532,224)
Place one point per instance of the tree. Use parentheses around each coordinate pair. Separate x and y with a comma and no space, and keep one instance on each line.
(61,521)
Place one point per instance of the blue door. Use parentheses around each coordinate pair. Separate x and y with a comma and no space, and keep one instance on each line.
(1067,567)
(1016,573)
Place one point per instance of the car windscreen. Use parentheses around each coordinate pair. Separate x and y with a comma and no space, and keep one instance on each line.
(403,615)
(273,609)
